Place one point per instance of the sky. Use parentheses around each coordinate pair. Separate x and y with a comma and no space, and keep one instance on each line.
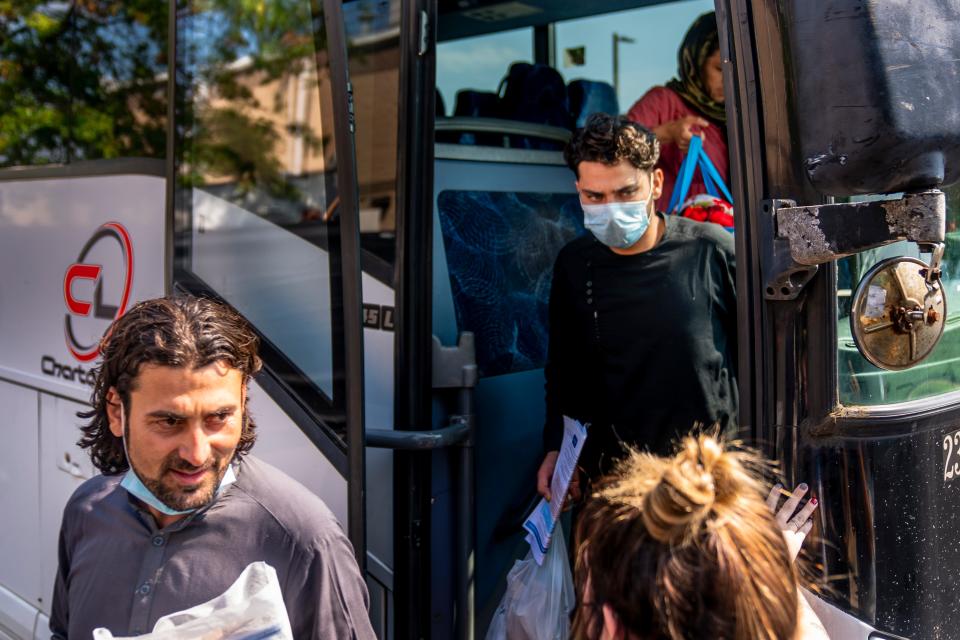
(480,63)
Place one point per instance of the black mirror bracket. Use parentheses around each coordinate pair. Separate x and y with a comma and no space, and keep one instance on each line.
(783,277)
(807,236)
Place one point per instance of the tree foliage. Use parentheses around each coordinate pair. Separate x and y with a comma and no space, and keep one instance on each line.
(82,80)
(234,48)
(86,79)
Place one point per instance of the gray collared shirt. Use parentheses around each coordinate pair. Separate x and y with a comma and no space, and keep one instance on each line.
(118,570)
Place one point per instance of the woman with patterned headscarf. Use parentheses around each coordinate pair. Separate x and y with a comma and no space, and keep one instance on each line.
(688,106)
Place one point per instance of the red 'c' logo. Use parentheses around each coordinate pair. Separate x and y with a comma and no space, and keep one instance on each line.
(80,270)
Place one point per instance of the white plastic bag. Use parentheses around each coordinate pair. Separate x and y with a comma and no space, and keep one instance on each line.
(538,600)
(251,609)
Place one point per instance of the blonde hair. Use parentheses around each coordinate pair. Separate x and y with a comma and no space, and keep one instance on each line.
(686,547)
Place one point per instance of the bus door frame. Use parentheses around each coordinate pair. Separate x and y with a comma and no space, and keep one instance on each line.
(422,364)
(350,269)
(774,346)
(414,320)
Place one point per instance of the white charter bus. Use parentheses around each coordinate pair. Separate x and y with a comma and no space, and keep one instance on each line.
(348,176)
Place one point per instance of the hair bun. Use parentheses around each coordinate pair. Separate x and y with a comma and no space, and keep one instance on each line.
(676,507)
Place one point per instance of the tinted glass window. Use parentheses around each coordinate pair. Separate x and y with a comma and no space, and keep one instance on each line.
(257,176)
(647,44)
(118,85)
(82,81)
(862,383)
(479,63)
(35,63)
(373,46)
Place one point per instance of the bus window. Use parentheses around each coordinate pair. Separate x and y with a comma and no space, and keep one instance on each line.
(119,86)
(257,205)
(373,32)
(646,42)
(82,81)
(479,63)
(34,87)
(862,383)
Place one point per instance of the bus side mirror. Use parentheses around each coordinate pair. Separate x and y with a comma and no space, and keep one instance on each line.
(899,311)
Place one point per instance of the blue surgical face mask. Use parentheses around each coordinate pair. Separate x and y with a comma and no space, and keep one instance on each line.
(618,225)
(135,487)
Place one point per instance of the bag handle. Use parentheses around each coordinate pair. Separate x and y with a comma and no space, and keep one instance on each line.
(685,175)
(712,180)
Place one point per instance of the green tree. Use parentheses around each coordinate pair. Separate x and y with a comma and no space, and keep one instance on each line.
(231,47)
(82,80)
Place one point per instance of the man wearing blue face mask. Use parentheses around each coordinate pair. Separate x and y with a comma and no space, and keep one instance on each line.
(182,508)
(642,310)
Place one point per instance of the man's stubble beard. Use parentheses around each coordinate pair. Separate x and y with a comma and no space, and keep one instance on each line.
(185,498)
(181,498)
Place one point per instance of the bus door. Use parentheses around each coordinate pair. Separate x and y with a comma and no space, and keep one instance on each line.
(844,135)
(265,217)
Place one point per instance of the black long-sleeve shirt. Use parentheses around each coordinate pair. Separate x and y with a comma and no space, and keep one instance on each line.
(642,346)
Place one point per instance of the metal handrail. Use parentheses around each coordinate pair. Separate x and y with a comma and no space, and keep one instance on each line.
(419,440)
(455,369)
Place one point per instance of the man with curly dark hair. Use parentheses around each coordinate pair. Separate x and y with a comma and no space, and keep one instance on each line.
(642,310)
(182,508)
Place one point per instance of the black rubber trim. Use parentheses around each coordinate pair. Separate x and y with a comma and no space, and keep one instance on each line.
(350,276)
(414,319)
(746,180)
(290,405)
(377,268)
(170,162)
(88,169)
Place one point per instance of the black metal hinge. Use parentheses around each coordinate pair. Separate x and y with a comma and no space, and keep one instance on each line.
(807,236)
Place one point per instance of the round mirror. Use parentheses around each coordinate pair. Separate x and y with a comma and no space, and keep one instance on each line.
(897,316)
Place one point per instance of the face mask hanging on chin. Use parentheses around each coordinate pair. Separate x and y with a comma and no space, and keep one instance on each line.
(619,225)
(135,487)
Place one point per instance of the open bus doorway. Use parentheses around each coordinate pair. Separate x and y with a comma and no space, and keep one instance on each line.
(504,204)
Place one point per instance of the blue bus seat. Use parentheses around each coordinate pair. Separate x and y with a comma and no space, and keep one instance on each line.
(591,96)
(477,104)
(535,93)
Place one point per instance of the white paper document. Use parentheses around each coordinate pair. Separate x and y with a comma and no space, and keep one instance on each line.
(539,525)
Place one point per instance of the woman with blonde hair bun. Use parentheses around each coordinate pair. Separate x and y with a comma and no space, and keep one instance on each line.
(687,547)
